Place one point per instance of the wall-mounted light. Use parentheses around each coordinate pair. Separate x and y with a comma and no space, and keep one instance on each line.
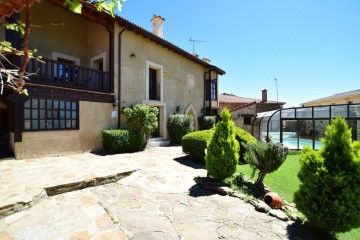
(239,115)
(202,110)
(132,55)
(178,109)
(116,101)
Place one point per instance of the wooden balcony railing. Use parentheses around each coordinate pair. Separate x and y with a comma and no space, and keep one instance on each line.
(61,74)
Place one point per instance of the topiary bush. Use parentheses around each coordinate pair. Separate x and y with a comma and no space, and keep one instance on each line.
(329,191)
(207,122)
(243,136)
(179,125)
(194,144)
(223,150)
(122,140)
(265,158)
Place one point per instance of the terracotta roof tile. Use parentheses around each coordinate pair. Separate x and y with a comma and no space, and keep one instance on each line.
(8,7)
(230,98)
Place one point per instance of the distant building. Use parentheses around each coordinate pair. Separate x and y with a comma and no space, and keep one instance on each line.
(339,98)
(244,109)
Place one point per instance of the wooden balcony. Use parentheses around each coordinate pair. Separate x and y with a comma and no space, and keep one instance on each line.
(61,74)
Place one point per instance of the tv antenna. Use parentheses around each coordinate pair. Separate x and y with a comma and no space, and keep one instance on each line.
(277,93)
(195,41)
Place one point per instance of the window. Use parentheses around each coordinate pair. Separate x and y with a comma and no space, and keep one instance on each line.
(154,81)
(49,114)
(153,91)
(211,90)
(64,70)
(247,120)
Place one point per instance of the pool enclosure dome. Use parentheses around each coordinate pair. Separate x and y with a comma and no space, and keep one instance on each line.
(300,126)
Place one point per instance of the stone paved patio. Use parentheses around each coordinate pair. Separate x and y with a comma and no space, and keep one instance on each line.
(159,200)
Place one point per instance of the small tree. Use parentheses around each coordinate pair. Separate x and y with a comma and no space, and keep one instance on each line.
(329,193)
(265,158)
(178,126)
(223,151)
(142,118)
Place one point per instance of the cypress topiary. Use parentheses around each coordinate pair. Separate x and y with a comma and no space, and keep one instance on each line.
(329,193)
(223,150)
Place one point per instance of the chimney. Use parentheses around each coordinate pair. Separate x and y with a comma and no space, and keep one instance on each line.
(157,25)
(264,95)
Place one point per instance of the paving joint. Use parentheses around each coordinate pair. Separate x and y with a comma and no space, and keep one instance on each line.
(93,182)
(21,206)
(60,189)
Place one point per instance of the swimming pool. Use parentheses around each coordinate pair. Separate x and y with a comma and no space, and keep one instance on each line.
(291,143)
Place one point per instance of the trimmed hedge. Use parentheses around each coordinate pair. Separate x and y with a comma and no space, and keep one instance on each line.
(194,144)
(123,140)
(207,122)
(243,136)
(178,126)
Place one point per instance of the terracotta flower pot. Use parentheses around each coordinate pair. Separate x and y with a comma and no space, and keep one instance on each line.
(273,199)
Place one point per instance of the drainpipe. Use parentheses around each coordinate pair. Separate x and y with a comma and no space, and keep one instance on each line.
(119,76)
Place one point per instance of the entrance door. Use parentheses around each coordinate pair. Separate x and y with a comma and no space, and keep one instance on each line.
(156,133)
(4,134)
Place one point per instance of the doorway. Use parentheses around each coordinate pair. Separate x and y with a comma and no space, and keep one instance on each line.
(4,132)
(156,133)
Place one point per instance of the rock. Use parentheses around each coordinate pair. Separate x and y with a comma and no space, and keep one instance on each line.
(295,217)
(239,195)
(279,214)
(261,206)
(253,202)
(227,190)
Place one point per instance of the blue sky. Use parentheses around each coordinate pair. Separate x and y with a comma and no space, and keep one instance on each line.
(311,46)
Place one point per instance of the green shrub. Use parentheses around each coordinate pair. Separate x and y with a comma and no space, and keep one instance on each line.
(178,126)
(194,144)
(143,118)
(207,122)
(200,138)
(223,150)
(329,192)
(122,140)
(265,158)
(243,136)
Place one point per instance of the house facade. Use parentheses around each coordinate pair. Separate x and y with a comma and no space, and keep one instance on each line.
(350,97)
(244,110)
(92,66)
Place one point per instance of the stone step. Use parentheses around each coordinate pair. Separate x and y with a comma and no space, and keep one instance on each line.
(158,142)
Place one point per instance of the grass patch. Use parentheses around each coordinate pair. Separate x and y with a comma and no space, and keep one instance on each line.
(284,181)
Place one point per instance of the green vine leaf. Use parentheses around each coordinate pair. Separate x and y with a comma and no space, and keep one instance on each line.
(25,92)
(18,26)
(6,47)
(74,5)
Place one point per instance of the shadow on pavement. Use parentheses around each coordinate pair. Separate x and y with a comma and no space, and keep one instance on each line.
(100,153)
(189,163)
(197,191)
(307,232)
